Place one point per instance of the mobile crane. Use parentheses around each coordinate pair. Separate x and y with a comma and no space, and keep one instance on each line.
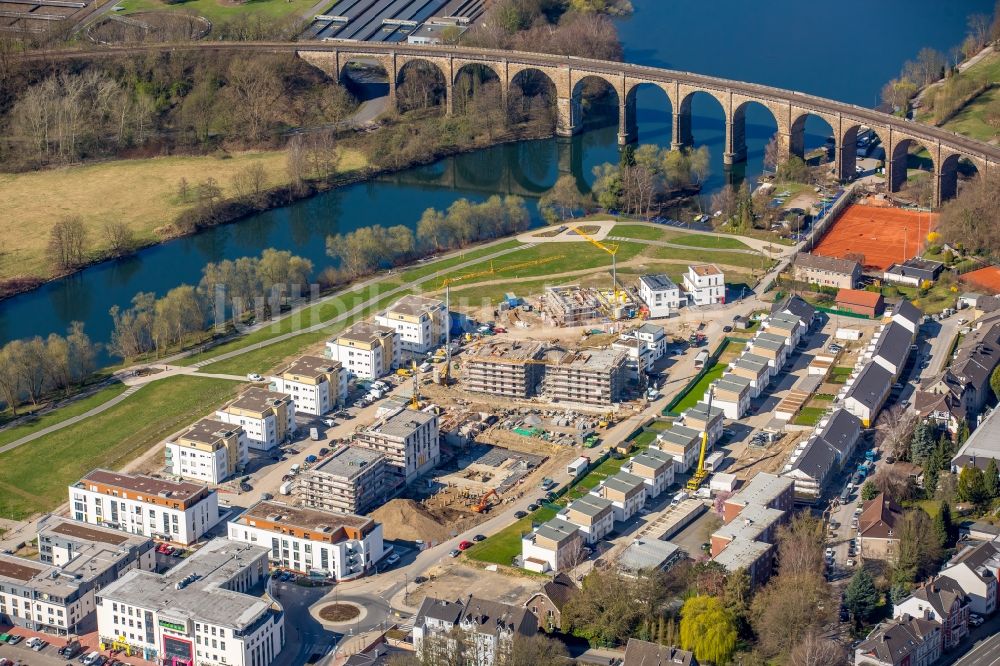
(700,474)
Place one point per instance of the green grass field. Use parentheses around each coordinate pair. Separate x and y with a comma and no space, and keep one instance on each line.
(431,267)
(695,394)
(645,438)
(752,261)
(35,476)
(505,545)
(714,242)
(809,416)
(839,374)
(8,435)
(215,10)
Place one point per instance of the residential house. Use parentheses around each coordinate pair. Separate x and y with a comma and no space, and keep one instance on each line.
(209,451)
(553,546)
(352,479)
(655,467)
(975,569)
(982,446)
(419,323)
(316,384)
(811,468)
(731,395)
(913,272)
(842,430)
(878,529)
(867,303)
(705,284)
(754,557)
(826,271)
(907,641)
(892,348)
(654,337)
(660,294)
(683,444)
(764,489)
(772,347)
(868,393)
(627,493)
(943,601)
(754,523)
(638,357)
(339,546)
(908,315)
(267,417)
(489,628)
(547,603)
(698,418)
(366,350)
(797,306)
(594,516)
(755,368)
(647,555)
(644,653)
(786,325)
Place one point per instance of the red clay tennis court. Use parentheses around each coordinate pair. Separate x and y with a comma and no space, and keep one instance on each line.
(883,235)
(985,278)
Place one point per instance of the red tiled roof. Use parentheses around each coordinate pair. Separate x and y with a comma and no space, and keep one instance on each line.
(868,299)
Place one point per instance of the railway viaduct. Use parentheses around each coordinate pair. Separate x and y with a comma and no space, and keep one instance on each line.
(569,74)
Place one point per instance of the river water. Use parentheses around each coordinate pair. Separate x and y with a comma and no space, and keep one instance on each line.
(842,49)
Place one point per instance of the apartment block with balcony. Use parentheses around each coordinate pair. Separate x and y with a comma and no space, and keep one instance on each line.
(267,417)
(210,451)
(316,384)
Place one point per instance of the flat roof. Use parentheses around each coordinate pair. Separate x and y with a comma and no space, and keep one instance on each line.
(700,411)
(90,533)
(348,462)
(590,505)
(303,518)
(763,488)
(144,485)
(752,521)
(18,568)
(209,431)
(366,332)
(753,362)
(657,282)
(731,382)
(506,351)
(741,554)
(647,554)
(256,399)
(413,305)
(201,579)
(705,270)
(310,366)
(401,423)
(557,530)
(982,445)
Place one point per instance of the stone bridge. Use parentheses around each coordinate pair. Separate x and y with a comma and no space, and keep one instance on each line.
(568,75)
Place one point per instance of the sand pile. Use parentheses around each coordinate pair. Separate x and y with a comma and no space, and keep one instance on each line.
(408,520)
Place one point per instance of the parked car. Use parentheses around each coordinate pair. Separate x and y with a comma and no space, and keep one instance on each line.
(392,559)
(975,620)
(31,642)
(40,645)
(455,553)
(532,507)
(727,329)
(254,377)
(478,538)
(420,579)
(245,487)
(465,545)
(266,496)
(177,552)
(14,639)
(520,514)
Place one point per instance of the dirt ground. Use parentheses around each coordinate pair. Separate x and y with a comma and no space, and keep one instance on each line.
(986,278)
(409,520)
(458,580)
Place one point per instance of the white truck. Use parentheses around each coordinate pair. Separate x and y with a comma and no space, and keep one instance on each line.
(578,467)
(286,488)
(715,461)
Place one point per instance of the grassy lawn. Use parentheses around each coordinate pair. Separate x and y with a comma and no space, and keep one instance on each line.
(971,120)
(60,414)
(216,11)
(645,438)
(35,201)
(934,301)
(659,425)
(714,242)
(809,416)
(564,257)
(494,293)
(34,476)
(505,545)
(431,267)
(839,374)
(709,256)
(695,394)
(644,232)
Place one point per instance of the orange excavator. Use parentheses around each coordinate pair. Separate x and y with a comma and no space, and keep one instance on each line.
(484,502)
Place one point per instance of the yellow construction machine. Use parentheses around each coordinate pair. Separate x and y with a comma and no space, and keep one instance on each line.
(700,474)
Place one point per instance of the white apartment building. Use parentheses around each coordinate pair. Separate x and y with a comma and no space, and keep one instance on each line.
(705,284)
(181,512)
(410,441)
(55,594)
(267,417)
(638,357)
(594,516)
(627,493)
(553,546)
(316,384)
(366,350)
(209,451)
(490,628)
(654,337)
(655,468)
(418,321)
(202,612)
(336,545)
(660,294)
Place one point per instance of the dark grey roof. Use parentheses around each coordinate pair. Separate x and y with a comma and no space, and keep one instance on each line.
(842,431)
(908,311)
(560,589)
(644,653)
(893,345)
(892,642)
(923,269)
(438,609)
(796,306)
(871,386)
(818,458)
(831,264)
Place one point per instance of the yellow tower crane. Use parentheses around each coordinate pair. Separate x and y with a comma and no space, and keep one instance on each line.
(495,267)
(610,248)
(700,474)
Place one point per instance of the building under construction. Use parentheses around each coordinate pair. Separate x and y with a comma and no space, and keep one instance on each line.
(507,369)
(570,305)
(523,370)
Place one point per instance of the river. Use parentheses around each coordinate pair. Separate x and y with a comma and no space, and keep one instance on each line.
(842,49)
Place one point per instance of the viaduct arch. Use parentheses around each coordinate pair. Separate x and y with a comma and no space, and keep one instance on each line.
(789,108)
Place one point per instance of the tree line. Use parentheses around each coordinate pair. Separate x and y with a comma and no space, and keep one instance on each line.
(228,289)
(185,101)
(720,618)
(972,219)
(647,175)
(367,249)
(33,368)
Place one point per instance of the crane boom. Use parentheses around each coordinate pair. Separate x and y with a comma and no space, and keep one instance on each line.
(700,474)
(610,248)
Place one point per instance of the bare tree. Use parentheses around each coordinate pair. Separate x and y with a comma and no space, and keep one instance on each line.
(250,182)
(979,30)
(893,482)
(800,546)
(67,242)
(119,237)
(254,88)
(894,429)
(813,650)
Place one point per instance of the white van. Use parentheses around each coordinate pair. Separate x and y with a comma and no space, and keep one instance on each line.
(91,658)
(678,498)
